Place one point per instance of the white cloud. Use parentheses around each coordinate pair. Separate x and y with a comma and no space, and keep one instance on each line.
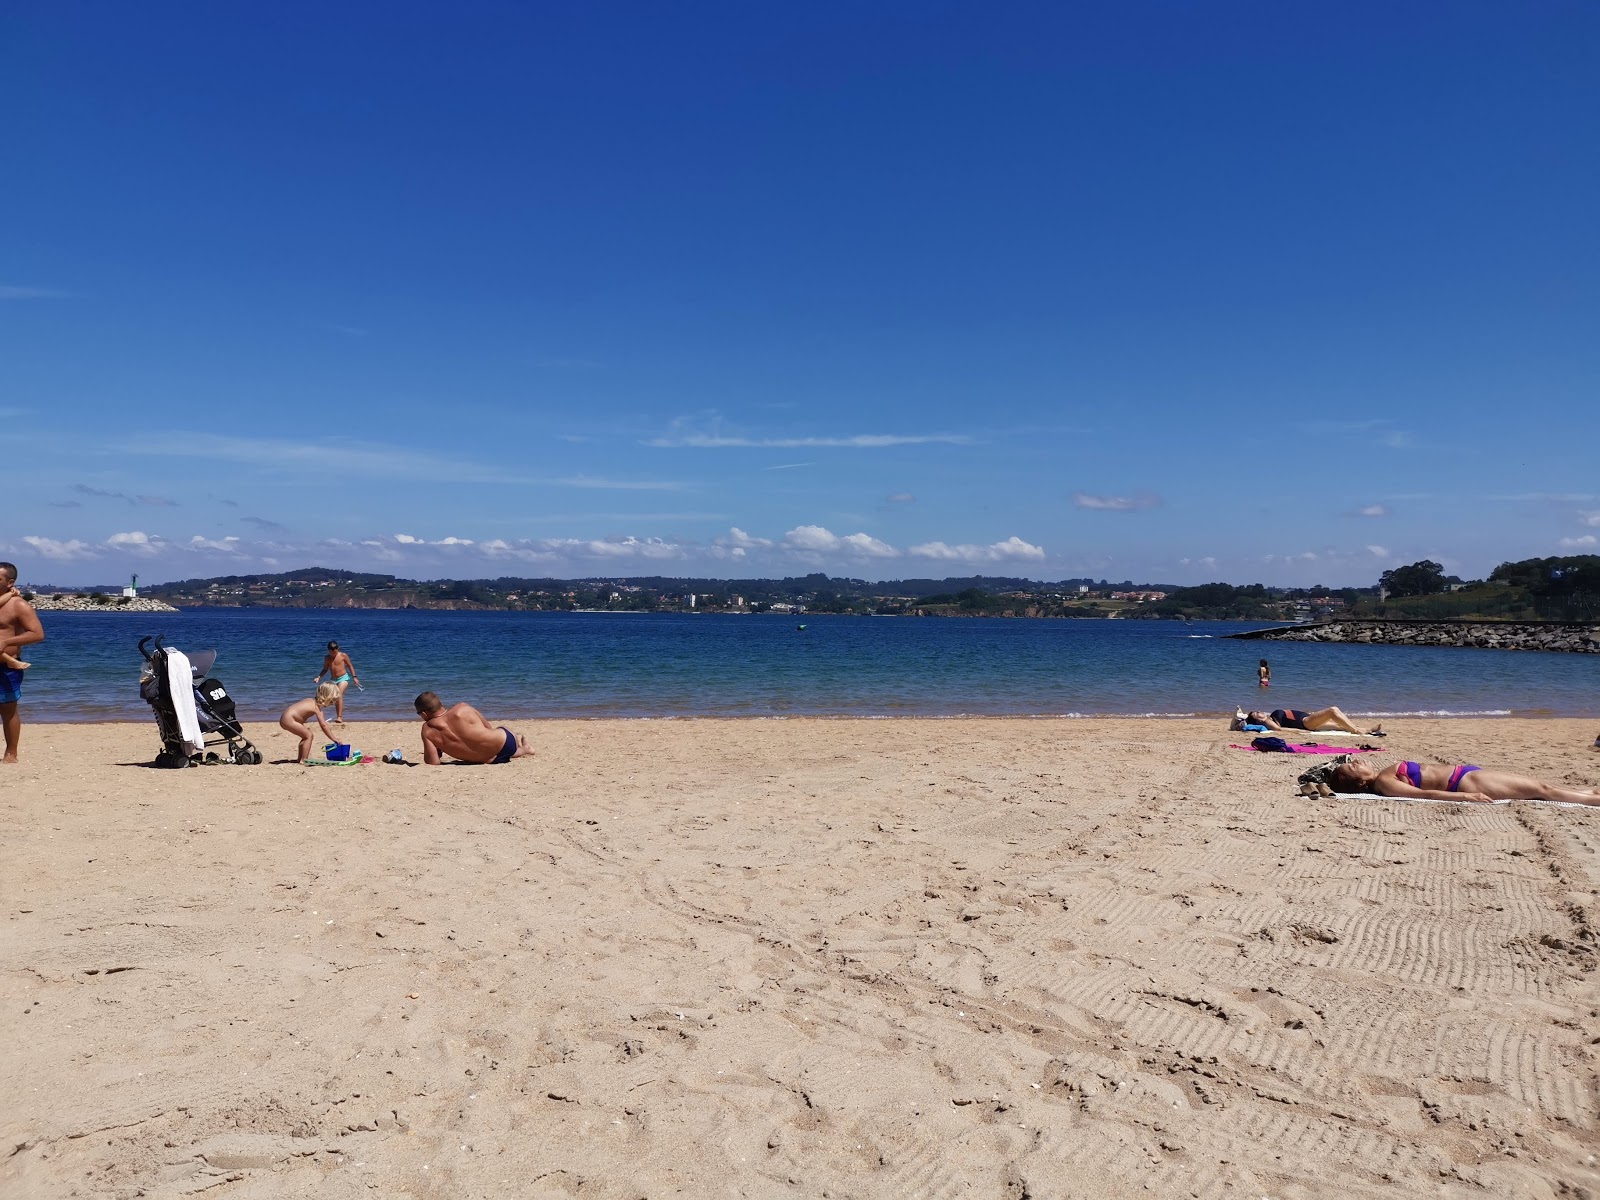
(1576,543)
(137,542)
(1589,518)
(58,551)
(1137,503)
(902,498)
(1372,510)
(227,545)
(627,547)
(1378,552)
(811,537)
(737,539)
(869,546)
(1012,548)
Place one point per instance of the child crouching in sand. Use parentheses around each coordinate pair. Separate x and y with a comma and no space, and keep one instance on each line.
(297,714)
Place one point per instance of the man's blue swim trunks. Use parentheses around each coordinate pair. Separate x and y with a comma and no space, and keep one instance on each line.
(10,685)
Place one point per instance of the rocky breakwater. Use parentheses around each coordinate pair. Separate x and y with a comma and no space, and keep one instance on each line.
(67,602)
(1490,635)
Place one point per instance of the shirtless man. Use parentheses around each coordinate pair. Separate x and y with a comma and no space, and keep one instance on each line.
(461,732)
(341,672)
(19,627)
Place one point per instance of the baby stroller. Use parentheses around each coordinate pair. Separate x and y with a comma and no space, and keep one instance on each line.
(213,710)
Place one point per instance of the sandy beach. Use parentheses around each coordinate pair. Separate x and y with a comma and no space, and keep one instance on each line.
(840,958)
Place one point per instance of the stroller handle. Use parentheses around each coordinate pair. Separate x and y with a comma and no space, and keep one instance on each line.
(144,641)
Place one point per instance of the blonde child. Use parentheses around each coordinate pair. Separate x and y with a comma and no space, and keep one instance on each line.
(301,711)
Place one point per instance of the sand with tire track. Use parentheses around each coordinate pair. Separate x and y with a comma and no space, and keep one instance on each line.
(811,958)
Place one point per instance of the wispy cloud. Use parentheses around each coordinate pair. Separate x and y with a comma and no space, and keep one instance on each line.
(1371,510)
(84,489)
(788,466)
(1589,518)
(902,498)
(705,431)
(265,525)
(1579,543)
(857,441)
(60,551)
(368,460)
(1136,503)
(12,291)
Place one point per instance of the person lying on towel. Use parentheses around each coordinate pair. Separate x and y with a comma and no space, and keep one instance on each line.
(1437,781)
(1294,718)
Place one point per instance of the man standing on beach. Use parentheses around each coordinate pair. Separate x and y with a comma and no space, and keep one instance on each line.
(19,627)
(461,732)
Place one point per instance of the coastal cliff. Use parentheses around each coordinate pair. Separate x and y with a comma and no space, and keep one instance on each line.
(1492,635)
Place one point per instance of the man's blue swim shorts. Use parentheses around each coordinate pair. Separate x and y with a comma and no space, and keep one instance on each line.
(10,685)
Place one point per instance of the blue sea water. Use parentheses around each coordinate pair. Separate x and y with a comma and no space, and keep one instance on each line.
(671,665)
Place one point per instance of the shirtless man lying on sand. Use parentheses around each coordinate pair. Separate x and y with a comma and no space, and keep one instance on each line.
(461,732)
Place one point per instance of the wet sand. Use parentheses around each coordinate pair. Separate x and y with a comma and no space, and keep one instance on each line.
(838,958)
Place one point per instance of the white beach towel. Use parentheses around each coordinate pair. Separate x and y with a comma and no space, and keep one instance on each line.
(180,681)
(1426,800)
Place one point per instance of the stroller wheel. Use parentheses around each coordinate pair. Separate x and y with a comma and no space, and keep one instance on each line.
(255,757)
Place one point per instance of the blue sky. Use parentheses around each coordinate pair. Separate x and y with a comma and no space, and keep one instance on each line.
(1150,291)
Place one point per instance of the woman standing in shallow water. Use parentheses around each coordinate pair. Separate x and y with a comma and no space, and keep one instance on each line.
(341,672)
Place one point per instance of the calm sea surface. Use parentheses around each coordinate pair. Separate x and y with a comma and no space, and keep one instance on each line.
(673,665)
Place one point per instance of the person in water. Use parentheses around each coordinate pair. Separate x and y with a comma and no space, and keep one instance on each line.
(1313,722)
(1437,781)
(1263,675)
(296,716)
(461,732)
(341,672)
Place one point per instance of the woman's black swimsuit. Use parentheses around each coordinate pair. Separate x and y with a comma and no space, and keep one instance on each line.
(1290,718)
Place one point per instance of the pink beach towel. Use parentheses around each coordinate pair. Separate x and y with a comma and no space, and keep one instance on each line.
(1310,748)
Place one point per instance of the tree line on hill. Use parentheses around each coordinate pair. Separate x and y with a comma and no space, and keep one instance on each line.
(1550,589)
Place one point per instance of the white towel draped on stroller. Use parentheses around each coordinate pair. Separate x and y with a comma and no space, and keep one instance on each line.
(180,683)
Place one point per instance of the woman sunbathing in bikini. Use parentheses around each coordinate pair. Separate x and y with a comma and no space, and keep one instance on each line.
(1436,781)
(1314,722)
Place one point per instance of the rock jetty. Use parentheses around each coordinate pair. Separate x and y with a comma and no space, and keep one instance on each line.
(1491,635)
(71,602)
